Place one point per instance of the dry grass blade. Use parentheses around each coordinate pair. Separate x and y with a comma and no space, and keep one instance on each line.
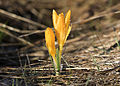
(21,18)
(30,32)
(18,38)
(96,17)
(11,44)
(48,69)
(9,76)
(14,29)
(38,77)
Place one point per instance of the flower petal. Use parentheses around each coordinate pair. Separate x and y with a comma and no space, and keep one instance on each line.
(55,18)
(50,42)
(60,31)
(68,32)
(67,19)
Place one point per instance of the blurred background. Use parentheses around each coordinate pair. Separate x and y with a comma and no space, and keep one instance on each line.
(40,11)
(23,23)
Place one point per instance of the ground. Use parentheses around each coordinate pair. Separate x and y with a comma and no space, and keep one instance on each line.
(90,55)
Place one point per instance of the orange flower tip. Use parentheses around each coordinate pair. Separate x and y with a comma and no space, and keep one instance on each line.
(69,11)
(61,15)
(47,29)
(54,12)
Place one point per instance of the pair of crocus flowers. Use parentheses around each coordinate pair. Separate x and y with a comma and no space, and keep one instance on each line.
(62,30)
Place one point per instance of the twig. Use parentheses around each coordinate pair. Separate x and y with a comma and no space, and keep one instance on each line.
(11,44)
(21,18)
(46,69)
(18,38)
(95,17)
(20,31)
(34,32)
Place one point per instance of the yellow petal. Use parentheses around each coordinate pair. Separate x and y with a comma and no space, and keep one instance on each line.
(68,32)
(60,31)
(50,42)
(55,18)
(67,19)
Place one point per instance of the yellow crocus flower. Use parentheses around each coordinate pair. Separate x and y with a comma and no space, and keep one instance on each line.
(50,43)
(62,29)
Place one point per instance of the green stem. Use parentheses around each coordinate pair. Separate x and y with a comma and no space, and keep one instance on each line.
(55,65)
(60,53)
(58,63)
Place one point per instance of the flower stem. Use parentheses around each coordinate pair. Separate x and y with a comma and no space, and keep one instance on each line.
(60,53)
